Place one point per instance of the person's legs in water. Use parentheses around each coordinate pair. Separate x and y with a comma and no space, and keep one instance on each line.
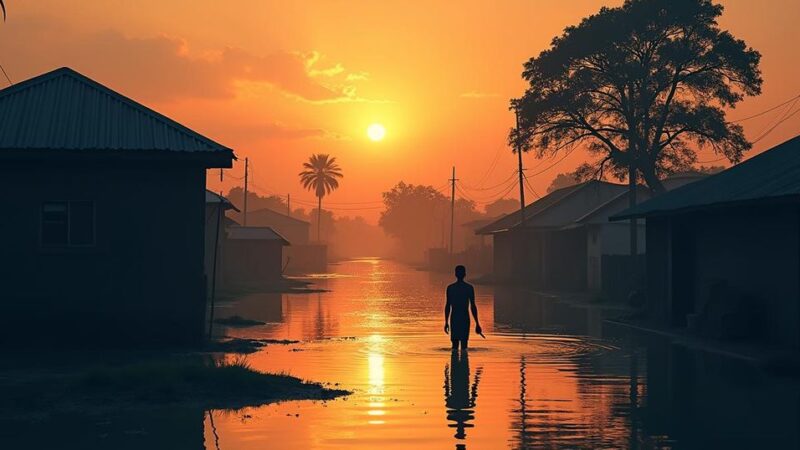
(464,344)
(455,344)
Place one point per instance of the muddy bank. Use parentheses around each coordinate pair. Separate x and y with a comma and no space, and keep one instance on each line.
(198,381)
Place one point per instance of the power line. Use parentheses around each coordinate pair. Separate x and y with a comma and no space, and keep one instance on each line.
(765,111)
(530,187)
(11,83)
(489,188)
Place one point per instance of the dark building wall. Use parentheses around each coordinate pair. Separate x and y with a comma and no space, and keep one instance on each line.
(306,258)
(567,259)
(517,256)
(502,245)
(750,256)
(212,239)
(252,262)
(141,281)
(658,268)
(755,253)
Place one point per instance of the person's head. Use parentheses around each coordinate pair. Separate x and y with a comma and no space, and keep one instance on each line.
(461,272)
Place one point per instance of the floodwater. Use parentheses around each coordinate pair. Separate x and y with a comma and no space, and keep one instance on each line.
(549,375)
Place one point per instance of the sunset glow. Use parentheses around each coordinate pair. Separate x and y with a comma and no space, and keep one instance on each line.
(376,132)
(274,80)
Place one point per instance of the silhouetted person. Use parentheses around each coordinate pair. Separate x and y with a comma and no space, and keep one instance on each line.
(460,296)
(459,396)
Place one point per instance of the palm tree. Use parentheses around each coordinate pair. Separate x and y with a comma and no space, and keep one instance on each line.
(320,175)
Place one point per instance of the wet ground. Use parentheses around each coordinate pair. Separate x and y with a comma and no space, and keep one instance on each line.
(549,375)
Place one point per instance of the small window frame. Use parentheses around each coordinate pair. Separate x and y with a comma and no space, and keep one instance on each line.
(68,243)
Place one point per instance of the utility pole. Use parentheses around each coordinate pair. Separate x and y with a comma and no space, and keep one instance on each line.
(518,147)
(452,206)
(246,167)
(289,205)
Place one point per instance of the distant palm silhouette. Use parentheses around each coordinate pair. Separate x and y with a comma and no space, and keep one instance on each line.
(320,175)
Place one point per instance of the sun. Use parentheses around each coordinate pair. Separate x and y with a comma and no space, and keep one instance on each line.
(376,132)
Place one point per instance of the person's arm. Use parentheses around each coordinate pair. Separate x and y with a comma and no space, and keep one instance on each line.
(474,308)
(447,313)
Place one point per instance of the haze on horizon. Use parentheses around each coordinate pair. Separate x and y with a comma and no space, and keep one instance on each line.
(278,81)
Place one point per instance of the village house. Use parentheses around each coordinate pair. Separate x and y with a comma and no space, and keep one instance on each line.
(302,255)
(293,229)
(253,256)
(544,251)
(103,229)
(216,237)
(723,253)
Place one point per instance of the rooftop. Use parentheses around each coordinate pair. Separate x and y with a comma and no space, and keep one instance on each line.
(64,110)
(773,175)
(212,197)
(255,233)
(547,212)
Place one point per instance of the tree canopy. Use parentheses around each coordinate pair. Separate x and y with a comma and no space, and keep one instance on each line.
(563,180)
(645,85)
(418,216)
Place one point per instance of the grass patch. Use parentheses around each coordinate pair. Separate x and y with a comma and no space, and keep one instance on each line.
(188,380)
(242,345)
(238,321)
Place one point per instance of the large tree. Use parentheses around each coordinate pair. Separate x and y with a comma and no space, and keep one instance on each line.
(642,86)
(418,216)
(320,174)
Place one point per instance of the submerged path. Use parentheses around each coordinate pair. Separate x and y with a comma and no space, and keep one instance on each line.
(549,375)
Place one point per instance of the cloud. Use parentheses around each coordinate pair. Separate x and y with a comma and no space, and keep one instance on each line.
(277,130)
(329,72)
(162,68)
(357,76)
(478,95)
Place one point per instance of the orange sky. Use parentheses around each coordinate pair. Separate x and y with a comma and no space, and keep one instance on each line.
(279,80)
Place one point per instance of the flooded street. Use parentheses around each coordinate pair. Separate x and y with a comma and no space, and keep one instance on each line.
(548,375)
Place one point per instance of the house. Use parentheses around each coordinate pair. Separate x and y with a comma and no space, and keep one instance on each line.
(294,230)
(478,248)
(723,253)
(544,252)
(253,256)
(302,256)
(609,267)
(103,231)
(215,237)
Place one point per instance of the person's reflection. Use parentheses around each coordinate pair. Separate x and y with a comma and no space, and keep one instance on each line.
(459,396)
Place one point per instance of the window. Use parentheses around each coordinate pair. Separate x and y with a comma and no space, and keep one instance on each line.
(68,223)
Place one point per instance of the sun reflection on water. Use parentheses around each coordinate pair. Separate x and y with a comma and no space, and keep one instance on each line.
(376,376)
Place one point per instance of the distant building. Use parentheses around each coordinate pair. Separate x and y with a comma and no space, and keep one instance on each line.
(301,256)
(723,254)
(216,223)
(544,251)
(294,230)
(103,231)
(609,267)
(253,256)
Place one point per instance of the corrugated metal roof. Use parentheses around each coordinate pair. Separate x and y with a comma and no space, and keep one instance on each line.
(772,175)
(212,197)
(537,214)
(64,110)
(512,220)
(256,233)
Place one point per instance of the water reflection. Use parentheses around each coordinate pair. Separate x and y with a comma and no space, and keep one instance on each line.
(556,376)
(459,396)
